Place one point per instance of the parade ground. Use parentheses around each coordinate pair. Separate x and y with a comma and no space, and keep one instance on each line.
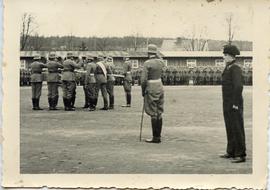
(107,142)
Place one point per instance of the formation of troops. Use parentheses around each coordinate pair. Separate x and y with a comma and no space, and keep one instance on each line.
(99,75)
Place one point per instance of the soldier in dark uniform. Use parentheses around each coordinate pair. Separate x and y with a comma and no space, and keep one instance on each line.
(127,81)
(36,81)
(152,91)
(90,83)
(110,81)
(101,74)
(52,81)
(69,83)
(232,87)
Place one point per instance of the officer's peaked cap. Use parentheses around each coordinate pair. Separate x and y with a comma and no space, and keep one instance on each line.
(52,55)
(231,50)
(100,56)
(70,54)
(152,48)
(90,57)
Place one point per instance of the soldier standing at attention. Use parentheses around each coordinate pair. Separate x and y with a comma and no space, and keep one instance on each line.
(110,81)
(152,91)
(101,77)
(232,87)
(53,81)
(69,83)
(36,81)
(90,83)
(127,84)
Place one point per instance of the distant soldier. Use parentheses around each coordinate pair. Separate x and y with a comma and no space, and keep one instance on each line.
(110,81)
(101,74)
(69,83)
(53,81)
(90,83)
(152,91)
(232,87)
(36,81)
(250,76)
(127,81)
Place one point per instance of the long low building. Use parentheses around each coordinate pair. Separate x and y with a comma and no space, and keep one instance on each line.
(190,59)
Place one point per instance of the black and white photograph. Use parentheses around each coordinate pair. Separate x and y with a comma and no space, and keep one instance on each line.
(135,87)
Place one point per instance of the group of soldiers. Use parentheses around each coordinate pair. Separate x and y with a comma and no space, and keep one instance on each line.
(98,76)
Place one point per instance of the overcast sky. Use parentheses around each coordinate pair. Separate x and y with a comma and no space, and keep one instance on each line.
(160,18)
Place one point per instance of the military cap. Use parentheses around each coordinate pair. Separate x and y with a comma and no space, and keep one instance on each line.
(52,55)
(152,48)
(109,58)
(70,54)
(37,57)
(231,50)
(100,57)
(90,57)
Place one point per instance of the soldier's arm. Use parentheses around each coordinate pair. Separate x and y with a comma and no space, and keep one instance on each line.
(60,65)
(144,78)
(237,84)
(76,66)
(43,65)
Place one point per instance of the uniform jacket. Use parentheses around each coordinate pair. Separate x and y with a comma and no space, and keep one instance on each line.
(36,68)
(127,71)
(69,66)
(110,76)
(53,74)
(90,73)
(152,70)
(100,75)
(232,86)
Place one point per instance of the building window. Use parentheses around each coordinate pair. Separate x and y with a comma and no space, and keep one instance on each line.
(135,63)
(23,64)
(219,63)
(247,63)
(191,63)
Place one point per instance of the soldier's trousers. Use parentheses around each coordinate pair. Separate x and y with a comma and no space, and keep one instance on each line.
(110,88)
(102,87)
(36,89)
(69,89)
(52,89)
(234,124)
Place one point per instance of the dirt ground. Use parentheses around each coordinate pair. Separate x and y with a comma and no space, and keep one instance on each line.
(107,142)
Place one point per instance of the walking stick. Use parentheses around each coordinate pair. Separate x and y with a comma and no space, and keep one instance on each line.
(141,122)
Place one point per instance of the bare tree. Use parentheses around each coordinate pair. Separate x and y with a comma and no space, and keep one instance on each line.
(37,42)
(70,41)
(231,28)
(27,29)
(102,44)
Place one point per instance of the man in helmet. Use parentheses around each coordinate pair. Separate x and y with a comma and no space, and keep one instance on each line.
(110,81)
(101,73)
(127,83)
(36,81)
(68,82)
(232,87)
(152,91)
(53,81)
(90,83)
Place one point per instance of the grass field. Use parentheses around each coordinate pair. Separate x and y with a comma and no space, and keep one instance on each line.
(107,142)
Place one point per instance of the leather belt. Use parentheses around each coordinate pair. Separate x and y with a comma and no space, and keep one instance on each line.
(153,81)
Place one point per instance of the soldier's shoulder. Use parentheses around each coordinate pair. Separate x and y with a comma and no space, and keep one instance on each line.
(236,66)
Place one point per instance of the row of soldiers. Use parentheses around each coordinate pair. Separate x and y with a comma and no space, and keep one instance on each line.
(176,76)
(98,76)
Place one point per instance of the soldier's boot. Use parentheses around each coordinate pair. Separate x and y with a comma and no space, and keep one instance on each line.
(50,101)
(37,103)
(54,103)
(34,104)
(105,100)
(95,100)
(111,102)
(69,105)
(128,100)
(159,129)
(72,102)
(65,104)
(155,138)
(86,102)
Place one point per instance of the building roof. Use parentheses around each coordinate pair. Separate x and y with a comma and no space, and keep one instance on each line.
(201,54)
(85,53)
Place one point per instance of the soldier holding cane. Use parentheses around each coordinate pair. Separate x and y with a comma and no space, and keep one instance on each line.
(152,91)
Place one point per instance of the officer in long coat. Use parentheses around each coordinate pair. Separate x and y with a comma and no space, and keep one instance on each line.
(110,81)
(232,87)
(90,83)
(152,91)
(53,79)
(101,74)
(69,82)
(36,81)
